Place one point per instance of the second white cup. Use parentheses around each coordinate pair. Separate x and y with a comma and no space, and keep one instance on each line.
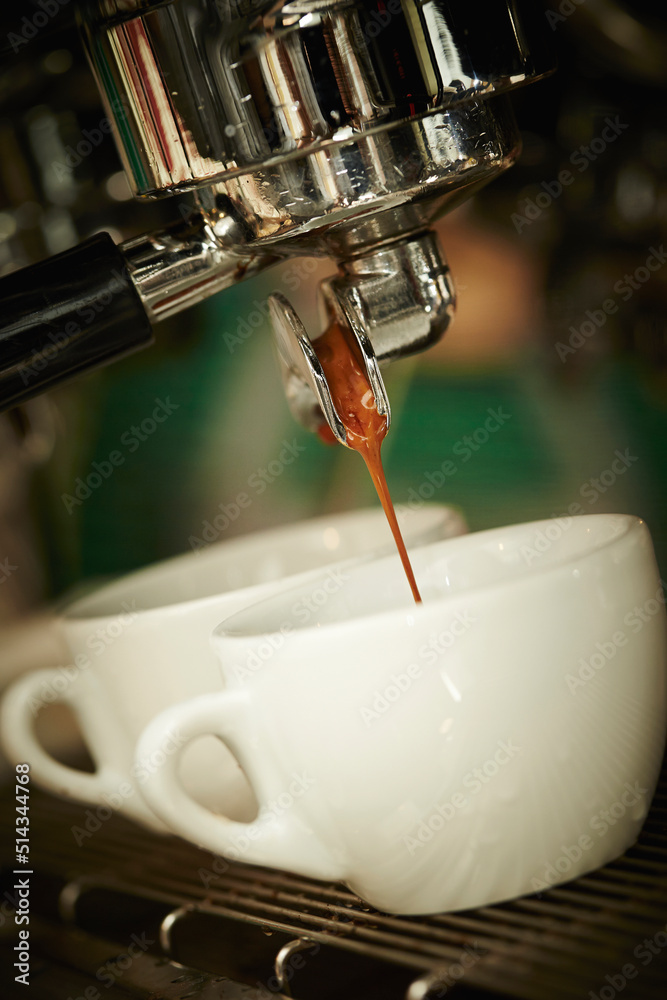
(143,643)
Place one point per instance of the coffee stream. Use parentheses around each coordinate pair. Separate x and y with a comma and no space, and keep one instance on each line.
(365,427)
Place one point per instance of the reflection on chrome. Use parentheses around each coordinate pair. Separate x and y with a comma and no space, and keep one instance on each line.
(314,127)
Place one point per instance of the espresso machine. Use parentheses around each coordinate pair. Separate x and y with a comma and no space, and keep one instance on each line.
(253,133)
(333,129)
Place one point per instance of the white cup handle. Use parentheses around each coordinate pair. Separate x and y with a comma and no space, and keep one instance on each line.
(21,744)
(277,841)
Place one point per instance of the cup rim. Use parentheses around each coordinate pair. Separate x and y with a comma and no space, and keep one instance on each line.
(87,609)
(628,522)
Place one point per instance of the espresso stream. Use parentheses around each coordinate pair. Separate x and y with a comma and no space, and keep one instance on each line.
(365,428)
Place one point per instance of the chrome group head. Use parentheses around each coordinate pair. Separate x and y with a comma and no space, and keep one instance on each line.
(331,128)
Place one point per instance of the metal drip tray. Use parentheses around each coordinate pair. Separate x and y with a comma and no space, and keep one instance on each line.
(563,943)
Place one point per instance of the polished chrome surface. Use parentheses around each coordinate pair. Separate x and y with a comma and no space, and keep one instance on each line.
(330,128)
(334,202)
(201,91)
(281,964)
(167,925)
(185,263)
(400,294)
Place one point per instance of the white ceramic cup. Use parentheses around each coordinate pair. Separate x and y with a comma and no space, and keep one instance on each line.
(503,736)
(143,643)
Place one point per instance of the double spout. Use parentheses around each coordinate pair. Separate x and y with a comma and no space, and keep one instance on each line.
(396,298)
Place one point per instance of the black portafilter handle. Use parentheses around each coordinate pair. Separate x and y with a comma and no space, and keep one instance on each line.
(66,316)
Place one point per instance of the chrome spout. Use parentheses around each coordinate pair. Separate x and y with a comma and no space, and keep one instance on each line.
(395,299)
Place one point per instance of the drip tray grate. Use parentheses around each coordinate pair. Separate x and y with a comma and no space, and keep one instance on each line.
(561,944)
